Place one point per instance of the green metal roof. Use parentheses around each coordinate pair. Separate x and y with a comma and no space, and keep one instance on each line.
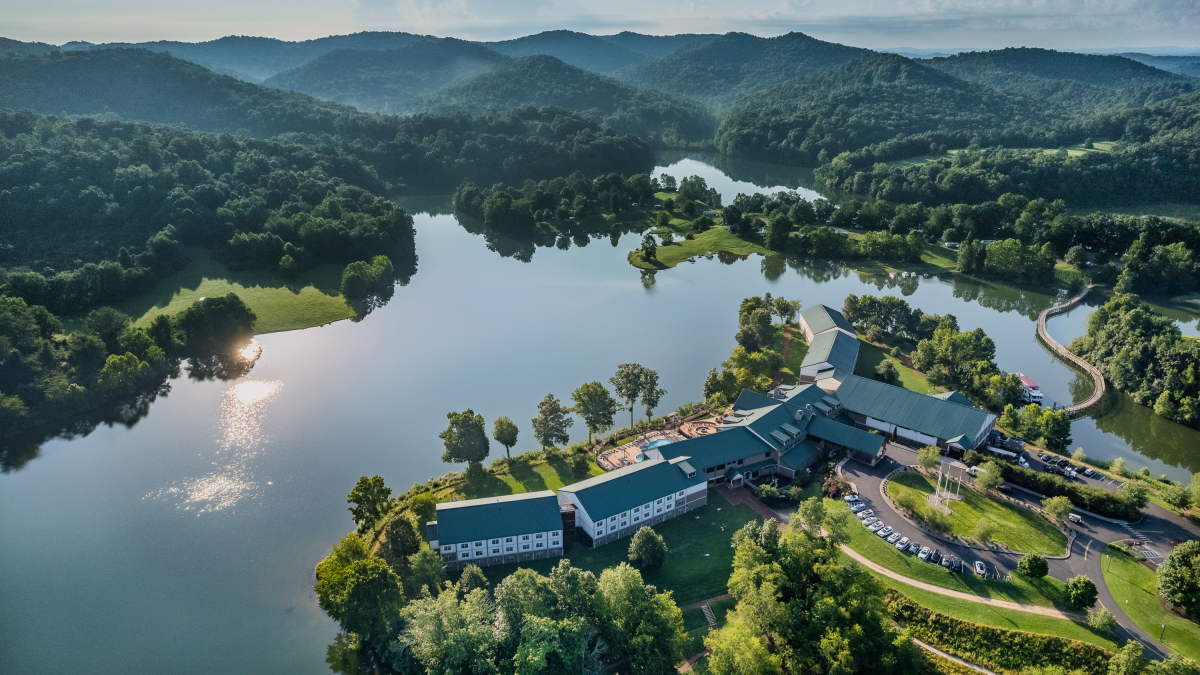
(791,430)
(506,516)
(716,449)
(735,470)
(845,436)
(837,349)
(800,456)
(780,436)
(918,412)
(821,318)
(621,490)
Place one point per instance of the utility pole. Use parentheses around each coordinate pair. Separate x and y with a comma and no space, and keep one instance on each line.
(1109,563)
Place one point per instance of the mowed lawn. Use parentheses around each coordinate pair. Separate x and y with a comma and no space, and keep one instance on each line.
(714,240)
(540,476)
(870,355)
(797,350)
(1045,591)
(1135,588)
(699,561)
(1017,528)
(988,615)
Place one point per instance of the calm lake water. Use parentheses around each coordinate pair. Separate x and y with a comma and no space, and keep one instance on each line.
(189,538)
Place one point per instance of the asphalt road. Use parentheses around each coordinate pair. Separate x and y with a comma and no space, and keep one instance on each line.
(1159,529)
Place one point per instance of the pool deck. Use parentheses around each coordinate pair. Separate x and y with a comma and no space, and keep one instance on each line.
(626,455)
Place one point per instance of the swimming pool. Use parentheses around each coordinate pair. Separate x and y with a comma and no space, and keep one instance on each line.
(658,442)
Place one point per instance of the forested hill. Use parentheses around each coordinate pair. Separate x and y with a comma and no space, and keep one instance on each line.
(256,58)
(1184,65)
(1080,81)
(544,80)
(10,48)
(135,84)
(656,46)
(720,69)
(581,50)
(387,81)
(871,100)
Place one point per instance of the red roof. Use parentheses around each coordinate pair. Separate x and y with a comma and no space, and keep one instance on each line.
(1028,382)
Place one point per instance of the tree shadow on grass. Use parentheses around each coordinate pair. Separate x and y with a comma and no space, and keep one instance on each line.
(492,487)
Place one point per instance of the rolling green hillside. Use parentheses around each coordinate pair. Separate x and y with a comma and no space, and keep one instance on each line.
(869,101)
(1080,81)
(581,50)
(720,69)
(654,46)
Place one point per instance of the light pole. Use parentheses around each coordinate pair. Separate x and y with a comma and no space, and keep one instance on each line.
(1162,632)
(1109,563)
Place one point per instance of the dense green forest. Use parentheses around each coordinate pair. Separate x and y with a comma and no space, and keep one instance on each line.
(598,54)
(453,75)
(1079,82)
(722,68)
(874,99)
(1157,156)
(1143,354)
(1184,65)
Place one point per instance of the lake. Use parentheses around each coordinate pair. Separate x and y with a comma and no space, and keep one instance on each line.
(187,540)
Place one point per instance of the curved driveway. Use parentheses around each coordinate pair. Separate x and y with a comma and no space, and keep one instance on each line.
(1158,527)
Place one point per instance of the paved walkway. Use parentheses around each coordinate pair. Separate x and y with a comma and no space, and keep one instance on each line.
(948,657)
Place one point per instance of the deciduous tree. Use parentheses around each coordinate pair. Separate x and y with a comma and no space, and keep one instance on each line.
(369,500)
(596,406)
(465,438)
(627,384)
(1058,507)
(1033,565)
(1179,577)
(647,550)
(929,456)
(504,432)
(551,424)
(1080,592)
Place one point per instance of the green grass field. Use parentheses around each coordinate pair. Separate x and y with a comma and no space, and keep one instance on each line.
(1044,592)
(716,239)
(988,615)
(312,299)
(540,476)
(797,349)
(870,355)
(1135,588)
(935,260)
(1017,528)
(699,561)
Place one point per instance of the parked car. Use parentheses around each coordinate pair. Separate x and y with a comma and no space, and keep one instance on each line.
(980,568)
(1074,518)
(901,545)
(1022,463)
(1071,473)
(1005,488)
(924,554)
(875,526)
(863,515)
(1089,473)
(1062,463)
(885,532)
(1043,456)
(868,521)
(950,563)
(857,506)
(894,538)
(936,556)
(914,548)
(852,498)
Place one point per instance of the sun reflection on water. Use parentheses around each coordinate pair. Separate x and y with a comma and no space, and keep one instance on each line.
(232,479)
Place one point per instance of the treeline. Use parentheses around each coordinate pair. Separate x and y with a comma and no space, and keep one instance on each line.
(754,358)
(875,99)
(1144,354)
(115,205)
(47,374)
(574,197)
(393,599)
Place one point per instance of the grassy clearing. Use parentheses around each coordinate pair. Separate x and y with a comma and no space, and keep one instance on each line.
(716,239)
(1017,528)
(988,615)
(1076,150)
(699,562)
(540,476)
(870,356)
(1135,588)
(797,349)
(697,626)
(936,259)
(1044,592)
(312,299)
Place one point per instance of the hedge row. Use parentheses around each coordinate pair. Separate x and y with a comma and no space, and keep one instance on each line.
(1092,499)
(995,648)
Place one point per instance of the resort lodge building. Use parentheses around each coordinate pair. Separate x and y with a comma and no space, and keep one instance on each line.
(779,433)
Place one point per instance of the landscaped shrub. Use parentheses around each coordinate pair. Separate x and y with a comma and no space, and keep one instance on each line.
(1093,499)
(995,648)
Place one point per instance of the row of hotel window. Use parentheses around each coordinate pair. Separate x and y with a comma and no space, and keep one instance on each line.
(721,467)
(507,549)
(638,514)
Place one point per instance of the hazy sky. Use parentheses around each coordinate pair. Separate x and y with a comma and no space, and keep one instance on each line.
(1065,24)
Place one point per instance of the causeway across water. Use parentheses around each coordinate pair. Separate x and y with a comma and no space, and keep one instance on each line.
(1044,336)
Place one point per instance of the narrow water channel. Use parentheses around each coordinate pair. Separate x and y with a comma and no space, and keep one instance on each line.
(188,537)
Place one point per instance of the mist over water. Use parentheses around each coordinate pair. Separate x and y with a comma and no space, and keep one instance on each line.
(190,537)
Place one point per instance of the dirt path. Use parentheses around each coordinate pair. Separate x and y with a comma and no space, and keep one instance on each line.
(777,376)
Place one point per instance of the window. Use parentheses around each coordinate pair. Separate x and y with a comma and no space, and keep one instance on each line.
(478,544)
(720,466)
(660,509)
(525,546)
(739,462)
(554,533)
(659,501)
(554,543)
(636,509)
(537,536)
(508,549)
(613,519)
(636,518)
(768,455)
(447,547)
(464,545)
(623,523)
(524,537)
(495,550)
(599,532)
(495,541)
(540,544)
(508,540)
(681,493)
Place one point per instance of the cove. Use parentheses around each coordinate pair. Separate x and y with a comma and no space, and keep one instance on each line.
(189,537)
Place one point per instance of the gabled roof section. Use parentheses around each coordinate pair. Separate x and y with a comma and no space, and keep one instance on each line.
(719,448)
(835,348)
(801,455)
(821,318)
(505,516)
(953,397)
(925,414)
(621,490)
(845,436)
